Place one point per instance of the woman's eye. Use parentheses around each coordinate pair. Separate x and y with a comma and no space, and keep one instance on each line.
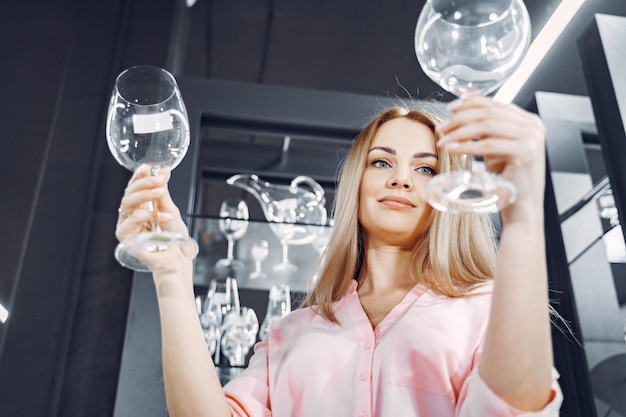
(379,163)
(426,170)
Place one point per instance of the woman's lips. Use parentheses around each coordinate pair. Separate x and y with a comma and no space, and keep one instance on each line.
(396,202)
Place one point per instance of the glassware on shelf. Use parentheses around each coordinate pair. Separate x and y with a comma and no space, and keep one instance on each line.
(239,332)
(471,48)
(259,252)
(288,208)
(147,124)
(222,297)
(322,237)
(211,321)
(278,305)
(233,224)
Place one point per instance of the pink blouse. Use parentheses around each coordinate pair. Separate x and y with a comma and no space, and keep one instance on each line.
(419,361)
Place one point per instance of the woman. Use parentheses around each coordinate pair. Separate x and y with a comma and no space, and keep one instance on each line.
(414,314)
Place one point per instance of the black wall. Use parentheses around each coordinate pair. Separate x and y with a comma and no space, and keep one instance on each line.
(59,191)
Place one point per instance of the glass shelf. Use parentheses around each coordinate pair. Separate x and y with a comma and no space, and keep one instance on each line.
(213,247)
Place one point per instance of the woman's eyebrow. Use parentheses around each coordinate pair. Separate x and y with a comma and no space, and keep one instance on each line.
(425,155)
(416,155)
(384,149)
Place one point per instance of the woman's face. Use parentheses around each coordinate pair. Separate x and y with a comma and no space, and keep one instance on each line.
(401,159)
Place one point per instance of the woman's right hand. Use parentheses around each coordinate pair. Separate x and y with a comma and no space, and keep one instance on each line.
(192,386)
(135,217)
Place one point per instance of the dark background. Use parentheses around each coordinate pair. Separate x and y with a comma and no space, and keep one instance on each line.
(60,188)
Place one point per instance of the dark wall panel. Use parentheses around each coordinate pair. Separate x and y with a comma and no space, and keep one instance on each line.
(68,298)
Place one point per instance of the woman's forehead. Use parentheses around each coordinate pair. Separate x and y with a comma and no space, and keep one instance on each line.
(404,132)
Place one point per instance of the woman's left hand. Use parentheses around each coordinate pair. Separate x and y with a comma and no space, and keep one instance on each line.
(511,140)
(517,359)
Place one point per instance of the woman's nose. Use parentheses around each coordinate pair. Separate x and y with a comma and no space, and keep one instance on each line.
(401,178)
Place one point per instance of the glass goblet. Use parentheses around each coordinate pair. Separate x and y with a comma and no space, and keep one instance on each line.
(470,47)
(278,305)
(210,314)
(259,252)
(222,298)
(233,224)
(147,125)
(239,331)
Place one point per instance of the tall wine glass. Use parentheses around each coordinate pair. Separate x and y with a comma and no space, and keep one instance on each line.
(233,224)
(223,298)
(239,332)
(210,314)
(147,124)
(470,47)
(278,305)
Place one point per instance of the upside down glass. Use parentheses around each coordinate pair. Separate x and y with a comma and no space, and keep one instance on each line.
(470,47)
(147,124)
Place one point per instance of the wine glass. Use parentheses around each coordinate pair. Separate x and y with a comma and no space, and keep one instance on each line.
(278,305)
(222,297)
(259,252)
(470,47)
(239,331)
(147,124)
(210,314)
(233,224)
(288,232)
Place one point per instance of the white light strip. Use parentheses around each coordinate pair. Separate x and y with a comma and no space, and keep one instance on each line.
(550,32)
(4,314)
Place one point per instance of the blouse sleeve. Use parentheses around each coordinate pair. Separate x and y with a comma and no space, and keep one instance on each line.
(477,399)
(248,393)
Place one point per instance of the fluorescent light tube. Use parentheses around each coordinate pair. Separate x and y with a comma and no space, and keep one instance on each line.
(550,32)
(4,314)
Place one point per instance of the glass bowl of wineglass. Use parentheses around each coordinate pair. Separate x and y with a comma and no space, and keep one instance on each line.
(239,332)
(471,47)
(147,124)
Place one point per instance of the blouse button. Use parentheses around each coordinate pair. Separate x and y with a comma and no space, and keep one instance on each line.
(367,345)
(363,376)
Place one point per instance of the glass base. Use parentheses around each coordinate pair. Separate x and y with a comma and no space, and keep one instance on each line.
(257,275)
(145,242)
(229,263)
(225,268)
(285,268)
(469,192)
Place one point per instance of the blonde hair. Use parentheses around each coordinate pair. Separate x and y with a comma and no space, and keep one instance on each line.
(455,255)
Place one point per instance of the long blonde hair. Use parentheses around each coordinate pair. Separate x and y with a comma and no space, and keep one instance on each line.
(456,253)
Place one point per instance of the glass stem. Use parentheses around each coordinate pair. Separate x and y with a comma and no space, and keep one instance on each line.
(468,159)
(153,207)
(285,252)
(230,248)
(468,162)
